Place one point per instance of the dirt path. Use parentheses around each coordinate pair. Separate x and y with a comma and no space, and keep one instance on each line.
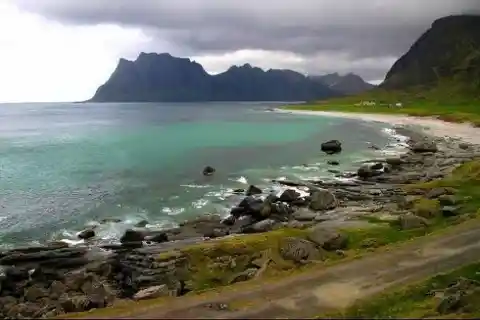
(333,288)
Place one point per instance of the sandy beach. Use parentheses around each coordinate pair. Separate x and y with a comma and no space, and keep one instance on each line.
(432,126)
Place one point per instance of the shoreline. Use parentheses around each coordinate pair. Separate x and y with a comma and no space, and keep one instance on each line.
(146,260)
(430,125)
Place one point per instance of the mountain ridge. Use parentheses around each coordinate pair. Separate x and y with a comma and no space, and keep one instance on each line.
(161,77)
(448,51)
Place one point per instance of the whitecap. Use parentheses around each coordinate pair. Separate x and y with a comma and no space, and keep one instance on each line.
(198,204)
(195,186)
(242,179)
(172,211)
(72,242)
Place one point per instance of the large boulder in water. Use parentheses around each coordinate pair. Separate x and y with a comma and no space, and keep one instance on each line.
(323,200)
(252,190)
(208,171)
(332,146)
(132,236)
(86,234)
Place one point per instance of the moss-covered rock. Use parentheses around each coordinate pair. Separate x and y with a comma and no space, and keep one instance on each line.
(427,208)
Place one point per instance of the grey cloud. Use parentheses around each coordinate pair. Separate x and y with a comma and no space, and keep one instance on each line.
(361,29)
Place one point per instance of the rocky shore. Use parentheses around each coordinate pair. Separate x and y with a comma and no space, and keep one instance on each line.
(54,279)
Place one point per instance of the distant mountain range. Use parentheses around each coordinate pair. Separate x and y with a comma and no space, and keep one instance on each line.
(156,77)
(347,84)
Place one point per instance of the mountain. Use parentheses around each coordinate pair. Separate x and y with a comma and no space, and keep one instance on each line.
(347,84)
(161,77)
(448,52)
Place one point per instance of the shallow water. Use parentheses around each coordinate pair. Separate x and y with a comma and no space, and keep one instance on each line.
(65,165)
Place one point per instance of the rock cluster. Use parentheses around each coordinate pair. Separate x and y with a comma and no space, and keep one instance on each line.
(56,279)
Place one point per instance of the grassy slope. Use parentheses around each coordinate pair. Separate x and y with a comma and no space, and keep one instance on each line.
(449,100)
(417,301)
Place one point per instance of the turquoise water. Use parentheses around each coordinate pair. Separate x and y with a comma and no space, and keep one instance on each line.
(63,166)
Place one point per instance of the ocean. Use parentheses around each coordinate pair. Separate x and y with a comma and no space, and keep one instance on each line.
(64,166)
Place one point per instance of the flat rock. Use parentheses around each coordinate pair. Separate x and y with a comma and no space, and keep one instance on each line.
(152,292)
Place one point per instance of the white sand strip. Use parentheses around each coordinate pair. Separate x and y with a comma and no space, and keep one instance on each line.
(433,126)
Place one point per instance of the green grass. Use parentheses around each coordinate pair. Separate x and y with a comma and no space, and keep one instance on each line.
(448,101)
(416,301)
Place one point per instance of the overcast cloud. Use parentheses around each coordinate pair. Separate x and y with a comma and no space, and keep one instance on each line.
(310,36)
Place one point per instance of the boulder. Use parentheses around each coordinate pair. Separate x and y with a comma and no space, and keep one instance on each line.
(229,221)
(244,275)
(450,211)
(424,146)
(331,147)
(34,293)
(395,162)
(110,220)
(77,303)
(158,237)
(289,195)
(410,221)
(86,234)
(327,239)
(299,250)
(323,200)
(141,224)
(447,200)
(464,146)
(254,207)
(435,193)
(304,215)
(152,293)
(253,190)
(57,289)
(261,226)
(370,170)
(208,171)
(132,236)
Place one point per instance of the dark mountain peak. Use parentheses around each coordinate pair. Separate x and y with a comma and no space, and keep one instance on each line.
(448,50)
(162,77)
(349,83)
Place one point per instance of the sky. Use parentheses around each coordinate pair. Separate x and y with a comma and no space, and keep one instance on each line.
(62,50)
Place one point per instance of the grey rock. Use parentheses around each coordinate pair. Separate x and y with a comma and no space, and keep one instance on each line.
(411,221)
(208,171)
(141,224)
(435,193)
(327,239)
(152,293)
(331,147)
(448,200)
(304,215)
(323,200)
(132,236)
(253,190)
(424,146)
(450,211)
(261,226)
(244,275)
(289,195)
(86,234)
(299,250)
